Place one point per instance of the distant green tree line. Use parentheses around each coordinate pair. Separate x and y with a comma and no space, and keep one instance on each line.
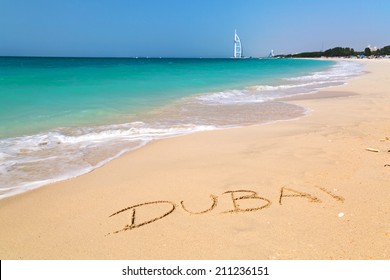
(339,51)
(383,51)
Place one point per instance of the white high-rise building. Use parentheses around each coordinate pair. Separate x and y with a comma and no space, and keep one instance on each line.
(237,46)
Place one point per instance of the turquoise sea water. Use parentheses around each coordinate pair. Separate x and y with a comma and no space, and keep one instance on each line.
(40,94)
(61,117)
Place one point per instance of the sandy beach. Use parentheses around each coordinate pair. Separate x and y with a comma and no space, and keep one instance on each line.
(313,188)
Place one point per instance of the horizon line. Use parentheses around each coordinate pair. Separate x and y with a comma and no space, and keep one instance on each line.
(121,57)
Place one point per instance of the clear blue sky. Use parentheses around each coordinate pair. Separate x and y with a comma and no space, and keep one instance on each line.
(188,28)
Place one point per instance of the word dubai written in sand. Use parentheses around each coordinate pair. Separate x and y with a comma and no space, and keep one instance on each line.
(236,197)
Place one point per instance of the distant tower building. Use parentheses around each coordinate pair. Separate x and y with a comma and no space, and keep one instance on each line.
(237,46)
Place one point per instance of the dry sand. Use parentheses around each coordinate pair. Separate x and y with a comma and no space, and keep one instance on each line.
(309,189)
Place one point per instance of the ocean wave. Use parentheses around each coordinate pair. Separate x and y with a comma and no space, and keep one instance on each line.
(28,162)
(335,76)
(342,70)
(231,97)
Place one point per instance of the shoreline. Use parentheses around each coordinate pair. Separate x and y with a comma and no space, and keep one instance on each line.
(284,190)
(55,142)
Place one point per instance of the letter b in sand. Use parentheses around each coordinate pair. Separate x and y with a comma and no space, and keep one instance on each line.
(236,197)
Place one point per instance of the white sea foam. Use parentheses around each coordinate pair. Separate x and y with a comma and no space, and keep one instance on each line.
(31,161)
(339,72)
(289,86)
(232,97)
(335,76)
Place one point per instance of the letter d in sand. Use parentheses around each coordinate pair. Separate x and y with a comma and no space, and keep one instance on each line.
(133,223)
